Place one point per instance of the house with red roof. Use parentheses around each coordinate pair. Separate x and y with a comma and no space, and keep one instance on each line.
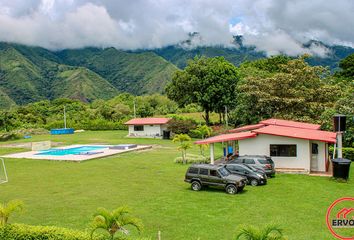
(292,145)
(149,127)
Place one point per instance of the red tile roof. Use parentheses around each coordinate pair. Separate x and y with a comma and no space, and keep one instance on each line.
(247,127)
(148,121)
(286,123)
(227,137)
(295,132)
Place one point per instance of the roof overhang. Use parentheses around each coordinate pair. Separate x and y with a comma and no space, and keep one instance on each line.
(227,137)
(148,121)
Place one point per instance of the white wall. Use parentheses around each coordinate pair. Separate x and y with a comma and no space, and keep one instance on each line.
(149,131)
(260,145)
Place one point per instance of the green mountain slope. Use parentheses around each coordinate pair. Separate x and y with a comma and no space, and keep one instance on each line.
(179,56)
(5,100)
(31,74)
(81,83)
(21,80)
(137,73)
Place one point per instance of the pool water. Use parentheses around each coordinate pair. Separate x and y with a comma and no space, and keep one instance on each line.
(71,151)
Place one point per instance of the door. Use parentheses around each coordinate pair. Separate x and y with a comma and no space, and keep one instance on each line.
(214,178)
(166,134)
(314,157)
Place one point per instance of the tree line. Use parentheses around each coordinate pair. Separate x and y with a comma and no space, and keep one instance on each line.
(279,86)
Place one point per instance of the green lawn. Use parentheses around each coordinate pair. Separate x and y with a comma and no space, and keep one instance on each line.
(66,194)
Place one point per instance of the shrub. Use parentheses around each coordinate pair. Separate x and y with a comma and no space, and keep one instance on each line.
(8,136)
(28,232)
(348,152)
(192,158)
(178,126)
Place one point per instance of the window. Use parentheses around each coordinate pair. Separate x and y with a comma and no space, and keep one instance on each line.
(214,173)
(283,150)
(138,127)
(203,171)
(249,161)
(314,148)
(193,170)
(237,160)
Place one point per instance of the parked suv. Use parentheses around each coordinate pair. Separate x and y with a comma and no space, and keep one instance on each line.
(254,178)
(200,175)
(257,161)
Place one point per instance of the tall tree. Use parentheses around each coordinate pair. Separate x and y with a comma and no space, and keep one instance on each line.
(297,91)
(209,82)
(347,67)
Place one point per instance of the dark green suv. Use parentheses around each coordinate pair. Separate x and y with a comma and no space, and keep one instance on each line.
(199,175)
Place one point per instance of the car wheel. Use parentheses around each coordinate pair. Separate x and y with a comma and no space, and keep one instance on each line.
(254,182)
(231,189)
(196,186)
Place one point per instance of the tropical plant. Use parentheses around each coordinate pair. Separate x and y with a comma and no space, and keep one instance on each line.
(255,233)
(183,140)
(115,221)
(6,209)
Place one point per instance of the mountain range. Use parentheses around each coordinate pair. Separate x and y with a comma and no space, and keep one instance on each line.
(29,74)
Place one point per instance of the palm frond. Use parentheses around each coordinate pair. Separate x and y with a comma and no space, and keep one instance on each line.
(133,221)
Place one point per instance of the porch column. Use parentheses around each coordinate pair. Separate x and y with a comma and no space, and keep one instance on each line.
(211,146)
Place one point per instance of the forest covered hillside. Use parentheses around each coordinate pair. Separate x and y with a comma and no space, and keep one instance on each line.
(30,74)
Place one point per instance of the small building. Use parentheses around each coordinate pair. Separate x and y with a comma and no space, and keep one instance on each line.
(293,146)
(149,127)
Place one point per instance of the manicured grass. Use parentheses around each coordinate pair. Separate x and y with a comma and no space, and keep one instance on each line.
(66,194)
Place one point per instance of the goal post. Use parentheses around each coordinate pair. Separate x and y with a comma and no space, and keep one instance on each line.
(3,173)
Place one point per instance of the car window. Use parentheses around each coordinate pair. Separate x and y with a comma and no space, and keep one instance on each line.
(203,171)
(237,168)
(263,161)
(249,161)
(193,170)
(214,173)
(238,160)
(224,172)
(230,167)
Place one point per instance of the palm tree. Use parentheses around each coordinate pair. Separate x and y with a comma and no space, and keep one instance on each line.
(6,209)
(254,233)
(183,140)
(114,221)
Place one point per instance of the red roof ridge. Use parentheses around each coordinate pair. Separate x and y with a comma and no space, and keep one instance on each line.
(247,127)
(294,132)
(290,123)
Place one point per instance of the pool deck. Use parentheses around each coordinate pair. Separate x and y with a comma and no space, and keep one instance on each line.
(75,158)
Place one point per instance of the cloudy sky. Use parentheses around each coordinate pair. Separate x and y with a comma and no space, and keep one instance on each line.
(271,25)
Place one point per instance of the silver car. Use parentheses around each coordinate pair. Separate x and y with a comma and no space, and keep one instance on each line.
(258,161)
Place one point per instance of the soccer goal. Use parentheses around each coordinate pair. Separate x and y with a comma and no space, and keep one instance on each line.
(3,173)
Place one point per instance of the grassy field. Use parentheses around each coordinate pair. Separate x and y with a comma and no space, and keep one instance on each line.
(66,194)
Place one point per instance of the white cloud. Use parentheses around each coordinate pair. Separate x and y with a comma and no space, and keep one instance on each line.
(274,26)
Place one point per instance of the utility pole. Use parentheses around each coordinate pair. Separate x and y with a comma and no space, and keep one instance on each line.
(64,118)
(134,109)
(226,118)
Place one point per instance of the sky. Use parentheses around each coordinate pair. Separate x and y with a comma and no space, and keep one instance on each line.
(273,26)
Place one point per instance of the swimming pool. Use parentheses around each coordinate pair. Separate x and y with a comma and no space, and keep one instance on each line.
(71,151)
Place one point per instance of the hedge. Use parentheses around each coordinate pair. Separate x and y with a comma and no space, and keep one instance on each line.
(348,152)
(28,232)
